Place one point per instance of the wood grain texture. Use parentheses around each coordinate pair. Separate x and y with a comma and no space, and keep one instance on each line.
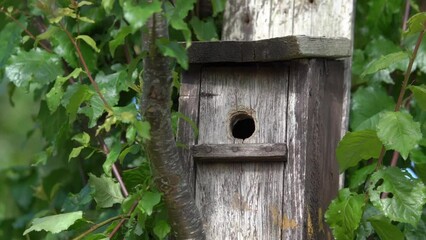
(228,153)
(188,106)
(263,19)
(242,200)
(276,49)
(314,118)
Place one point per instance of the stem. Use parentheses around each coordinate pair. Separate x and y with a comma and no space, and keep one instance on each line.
(404,87)
(114,169)
(99,225)
(86,69)
(406,14)
(25,30)
(115,230)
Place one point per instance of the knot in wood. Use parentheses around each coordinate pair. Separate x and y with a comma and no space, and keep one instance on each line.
(268,149)
(235,149)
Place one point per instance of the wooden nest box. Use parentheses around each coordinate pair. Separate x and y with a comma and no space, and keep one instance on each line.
(268,115)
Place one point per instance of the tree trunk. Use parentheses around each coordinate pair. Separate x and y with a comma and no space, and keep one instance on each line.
(161,149)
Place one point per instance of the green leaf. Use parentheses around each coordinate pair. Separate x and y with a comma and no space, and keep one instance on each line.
(119,39)
(406,195)
(46,35)
(420,95)
(358,177)
(82,138)
(161,229)
(148,202)
(173,49)
(54,96)
(176,16)
(204,30)
(33,69)
(385,229)
(218,6)
(357,146)
(143,129)
(64,48)
(105,191)
(111,158)
(365,115)
(344,214)
(108,5)
(55,223)
(384,62)
(10,37)
(137,15)
(75,152)
(74,97)
(89,42)
(399,132)
(416,233)
(416,23)
(131,149)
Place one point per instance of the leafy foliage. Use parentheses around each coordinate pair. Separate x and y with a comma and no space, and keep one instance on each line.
(80,61)
(384,118)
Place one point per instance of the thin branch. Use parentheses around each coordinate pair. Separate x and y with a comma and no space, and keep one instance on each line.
(404,87)
(86,69)
(99,225)
(25,29)
(132,209)
(406,15)
(114,169)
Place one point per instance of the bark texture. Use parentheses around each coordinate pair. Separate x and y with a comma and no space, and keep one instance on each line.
(161,149)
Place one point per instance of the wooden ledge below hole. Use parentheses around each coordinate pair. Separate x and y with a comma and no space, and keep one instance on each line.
(276,152)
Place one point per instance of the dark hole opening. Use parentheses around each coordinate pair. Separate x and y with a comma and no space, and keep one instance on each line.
(242,126)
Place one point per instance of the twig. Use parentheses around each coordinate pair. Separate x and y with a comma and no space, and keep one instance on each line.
(406,15)
(114,169)
(115,230)
(86,69)
(99,225)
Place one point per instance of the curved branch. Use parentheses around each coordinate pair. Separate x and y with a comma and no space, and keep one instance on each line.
(168,173)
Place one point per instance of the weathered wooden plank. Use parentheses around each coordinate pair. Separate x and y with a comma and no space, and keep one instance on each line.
(276,49)
(311,174)
(242,200)
(239,152)
(263,19)
(188,106)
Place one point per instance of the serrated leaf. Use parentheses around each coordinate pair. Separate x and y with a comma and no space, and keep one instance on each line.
(89,40)
(204,30)
(416,23)
(357,146)
(173,49)
(119,39)
(406,195)
(64,48)
(384,62)
(105,191)
(143,129)
(56,223)
(420,95)
(10,37)
(385,229)
(399,132)
(365,115)
(111,158)
(54,96)
(161,229)
(33,69)
(137,15)
(218,6)
(149,201)
(344,214)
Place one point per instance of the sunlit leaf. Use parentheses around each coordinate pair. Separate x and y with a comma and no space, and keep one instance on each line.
(137,15)
(143,129)
(161,229)
(33,69)
(399,132)
(148,201)
(89,41)
(55,223)
(344,214)
(357,146)
(384,62)
(105,191)
(416,23)
(406,196)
